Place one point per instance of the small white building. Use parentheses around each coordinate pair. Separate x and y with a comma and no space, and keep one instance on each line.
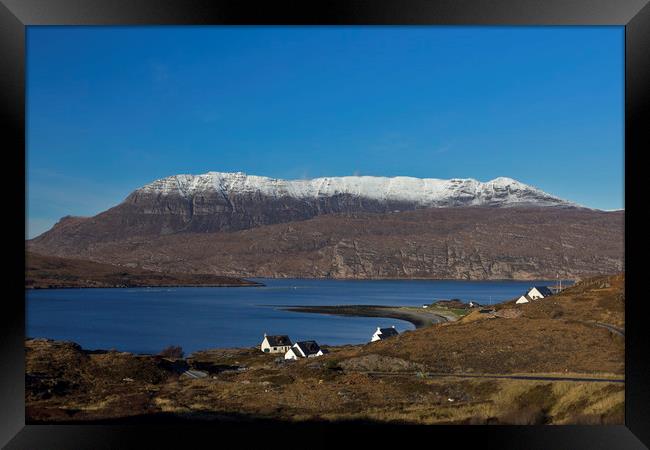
(534,293)
(523,299)
(537,292)
(275,344)
(304,349)
(384,333)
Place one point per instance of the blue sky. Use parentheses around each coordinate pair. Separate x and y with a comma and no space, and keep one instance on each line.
(110,109)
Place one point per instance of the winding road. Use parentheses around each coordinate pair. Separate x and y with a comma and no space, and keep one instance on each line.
(507,377)
(612,328)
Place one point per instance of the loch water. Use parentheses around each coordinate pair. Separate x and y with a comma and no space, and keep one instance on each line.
(146,320)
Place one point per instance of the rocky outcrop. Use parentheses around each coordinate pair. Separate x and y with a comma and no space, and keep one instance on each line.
(471,243)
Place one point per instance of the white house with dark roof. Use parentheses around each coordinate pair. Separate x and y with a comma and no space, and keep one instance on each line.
(534,293)
(384,333)
(304,349)
(537,292)
(275,344)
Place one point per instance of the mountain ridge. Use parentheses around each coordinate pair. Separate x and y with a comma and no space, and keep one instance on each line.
(346,227)
(219,201)
(422,191)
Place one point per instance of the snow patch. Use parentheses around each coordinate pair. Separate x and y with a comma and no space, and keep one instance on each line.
(501,191)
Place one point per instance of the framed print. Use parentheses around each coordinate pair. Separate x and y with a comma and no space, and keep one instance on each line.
(285,222)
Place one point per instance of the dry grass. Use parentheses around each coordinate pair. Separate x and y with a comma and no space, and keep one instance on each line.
(599,299)
(300,392)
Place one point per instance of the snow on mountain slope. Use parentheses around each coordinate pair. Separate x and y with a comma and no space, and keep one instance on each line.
(423,192)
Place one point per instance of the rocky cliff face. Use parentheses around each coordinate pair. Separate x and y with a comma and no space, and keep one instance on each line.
(455,243)
(217,201)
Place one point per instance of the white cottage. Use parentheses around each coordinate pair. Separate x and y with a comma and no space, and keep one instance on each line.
(523,299)
(304,349)
(275,344)
(384,333)
(537,292)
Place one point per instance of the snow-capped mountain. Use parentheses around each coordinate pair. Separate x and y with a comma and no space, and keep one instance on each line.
(215,202)
(345,227)
(416,192)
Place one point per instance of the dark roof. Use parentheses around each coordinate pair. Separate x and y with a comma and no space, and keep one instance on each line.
(308,347)
(276,341)
(387,332)
(543,290)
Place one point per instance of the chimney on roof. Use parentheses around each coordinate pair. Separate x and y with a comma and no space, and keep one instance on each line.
(393,326)
(264,334)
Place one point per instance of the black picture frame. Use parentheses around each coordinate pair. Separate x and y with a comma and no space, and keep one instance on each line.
(15,15)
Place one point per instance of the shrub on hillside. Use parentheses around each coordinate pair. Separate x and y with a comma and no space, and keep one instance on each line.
(333,364)
(172,352)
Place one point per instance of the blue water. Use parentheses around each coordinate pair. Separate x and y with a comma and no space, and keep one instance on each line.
(146,320)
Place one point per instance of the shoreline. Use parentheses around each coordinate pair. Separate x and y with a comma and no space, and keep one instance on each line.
(252,284)
(474,280)
(419,319)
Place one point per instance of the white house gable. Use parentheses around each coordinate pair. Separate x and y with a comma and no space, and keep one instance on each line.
(275,344)
(383,333)
(537,292)
(291,354)
(304,349)
(523,299)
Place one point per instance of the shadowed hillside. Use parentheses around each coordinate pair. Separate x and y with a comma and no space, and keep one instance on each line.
(53,272)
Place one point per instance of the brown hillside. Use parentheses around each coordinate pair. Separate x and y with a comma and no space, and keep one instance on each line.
(448,243)
(54,272)
(555,334)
